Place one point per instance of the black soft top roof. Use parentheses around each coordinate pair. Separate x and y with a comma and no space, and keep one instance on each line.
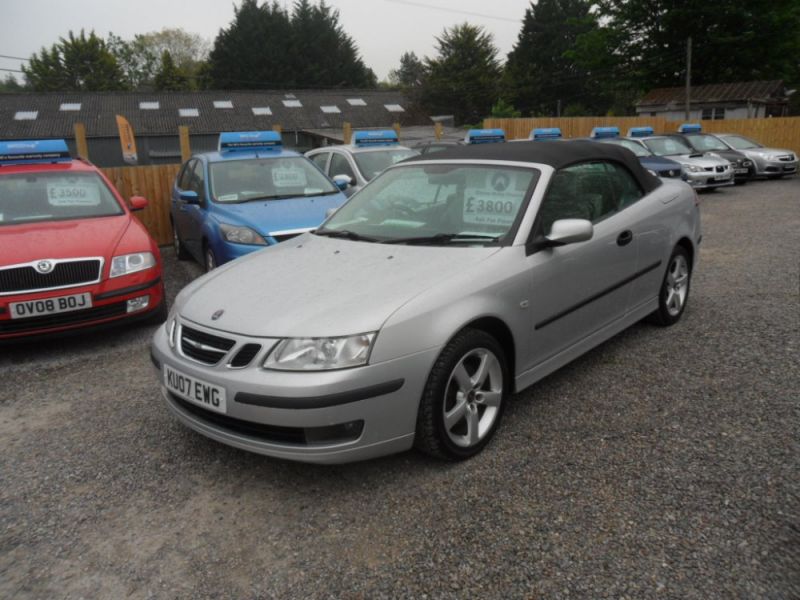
(557,154)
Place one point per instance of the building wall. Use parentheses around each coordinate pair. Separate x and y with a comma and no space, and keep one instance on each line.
(696,114)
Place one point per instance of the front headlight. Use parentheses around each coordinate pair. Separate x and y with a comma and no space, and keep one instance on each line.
(241,235)
(693,168)
(131,263)
(320,354)
(773,156)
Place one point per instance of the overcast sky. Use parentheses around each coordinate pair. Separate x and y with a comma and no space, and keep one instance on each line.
(382,29)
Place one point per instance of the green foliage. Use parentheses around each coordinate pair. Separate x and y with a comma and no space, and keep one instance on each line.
(75,64)
(268,47)
(462,79)
(10,84)
(410,74)
(169,77)
(503,110)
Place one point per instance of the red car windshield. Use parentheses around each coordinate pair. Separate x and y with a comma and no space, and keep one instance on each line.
(35,197)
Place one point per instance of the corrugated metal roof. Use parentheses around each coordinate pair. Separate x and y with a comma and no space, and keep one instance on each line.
(716,92)
(98,109)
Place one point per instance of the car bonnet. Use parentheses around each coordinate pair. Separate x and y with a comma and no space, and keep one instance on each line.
(314,286)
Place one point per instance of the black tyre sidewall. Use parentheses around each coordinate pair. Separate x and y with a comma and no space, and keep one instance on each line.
(432,436)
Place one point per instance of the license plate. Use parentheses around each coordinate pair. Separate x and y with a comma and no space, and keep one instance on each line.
(722,178)
(740,171)
(196,391)
(50,306)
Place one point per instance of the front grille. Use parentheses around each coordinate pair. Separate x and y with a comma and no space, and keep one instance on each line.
(64,274)
(720,168)
(204,347)
(61,319)
(245,355)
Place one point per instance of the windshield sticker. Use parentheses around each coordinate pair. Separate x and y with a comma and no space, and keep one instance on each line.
(64,193)
(228,198)
(496,203)
(288,177)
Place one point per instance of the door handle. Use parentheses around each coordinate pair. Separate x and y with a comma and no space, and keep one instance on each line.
(625,238)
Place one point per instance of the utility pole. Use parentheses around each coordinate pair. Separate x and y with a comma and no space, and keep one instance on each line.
(688,75)
(558,108)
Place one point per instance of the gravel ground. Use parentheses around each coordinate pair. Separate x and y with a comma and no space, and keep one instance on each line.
(663,464)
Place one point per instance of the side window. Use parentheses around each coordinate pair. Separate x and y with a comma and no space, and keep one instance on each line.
(197,183)
(320,160)
(626,188)
(583,191)
(185,176)
(340,166)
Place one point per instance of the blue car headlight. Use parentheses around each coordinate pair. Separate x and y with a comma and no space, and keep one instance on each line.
(320,354)
(241,235)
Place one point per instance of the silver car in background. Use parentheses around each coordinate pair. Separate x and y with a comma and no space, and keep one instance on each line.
(769,162)
(701,170)
(409,317)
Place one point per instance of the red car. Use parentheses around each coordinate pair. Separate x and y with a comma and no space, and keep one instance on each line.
(72,256)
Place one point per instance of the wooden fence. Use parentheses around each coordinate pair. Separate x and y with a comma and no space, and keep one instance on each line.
(154,183)
(782,132)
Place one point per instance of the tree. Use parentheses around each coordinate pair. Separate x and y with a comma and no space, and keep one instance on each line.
(748,40)
(463,78)
(543,70)
(10,84)
(266,46)
(169,77)
(137,61)
(74,64)
(410,74)
(503,110)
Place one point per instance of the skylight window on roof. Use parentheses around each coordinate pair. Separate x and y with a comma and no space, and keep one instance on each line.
(332,109)
(26,115)
(262,110)
(149,106)
(289,96)
(356,102)
(292,104)
(223,104)
(188,112)
(394,108)
(70,106)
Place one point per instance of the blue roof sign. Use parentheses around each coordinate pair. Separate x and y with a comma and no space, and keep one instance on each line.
(640,131)
(690,128)
(545,133)
(485,136)
(380,137)
(249,141)
(34,152)
(605,132)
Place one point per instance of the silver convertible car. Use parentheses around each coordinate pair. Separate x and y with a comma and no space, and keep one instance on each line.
(411,315)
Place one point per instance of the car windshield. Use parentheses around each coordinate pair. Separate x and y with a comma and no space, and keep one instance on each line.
(667,146)
(741,143)
(706,142)
(436,204)
(267,179)
(374,161)
(34,197)
(634,147)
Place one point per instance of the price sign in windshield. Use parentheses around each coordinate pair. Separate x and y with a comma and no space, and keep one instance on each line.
(495,203)
(63,193)
(287,177)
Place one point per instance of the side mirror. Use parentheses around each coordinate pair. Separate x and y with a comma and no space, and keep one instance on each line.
(189,197)
(138,203)
(569,231)
(343,181)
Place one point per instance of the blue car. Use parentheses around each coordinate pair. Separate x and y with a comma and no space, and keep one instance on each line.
(249,194)
(663,167)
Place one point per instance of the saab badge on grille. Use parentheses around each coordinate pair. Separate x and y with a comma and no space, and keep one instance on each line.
(217,314)
(44,266)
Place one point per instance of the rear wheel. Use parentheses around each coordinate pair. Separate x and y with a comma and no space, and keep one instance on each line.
(177,244)
(674,293)
(464,397)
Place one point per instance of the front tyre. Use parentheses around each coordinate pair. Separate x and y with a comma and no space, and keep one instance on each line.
(463,398)
(674,291)
(209,259)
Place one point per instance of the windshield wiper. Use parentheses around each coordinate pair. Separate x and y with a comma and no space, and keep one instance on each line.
(444,238)
(345,233)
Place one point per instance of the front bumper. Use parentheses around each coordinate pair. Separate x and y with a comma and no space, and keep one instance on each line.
(708,179)
(770,168)
(285,414)
(109,306)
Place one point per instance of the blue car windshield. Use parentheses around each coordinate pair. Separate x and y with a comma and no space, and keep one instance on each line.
(245,180)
